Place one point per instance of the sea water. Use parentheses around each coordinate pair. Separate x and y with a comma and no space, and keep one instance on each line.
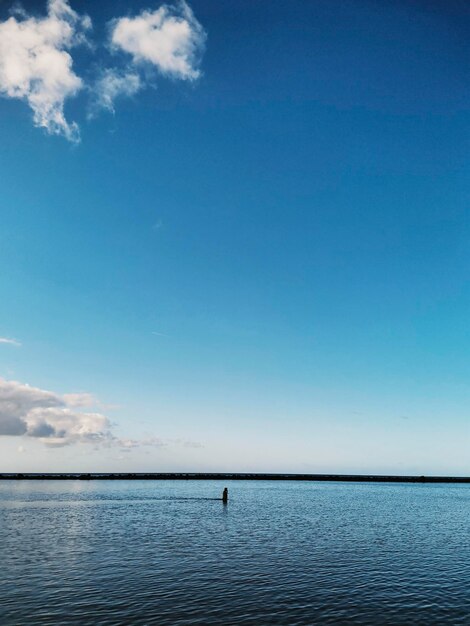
(109,553)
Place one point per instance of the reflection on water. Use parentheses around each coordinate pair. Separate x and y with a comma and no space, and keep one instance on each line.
(160,553)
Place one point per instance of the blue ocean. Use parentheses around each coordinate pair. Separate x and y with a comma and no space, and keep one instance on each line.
(156,553)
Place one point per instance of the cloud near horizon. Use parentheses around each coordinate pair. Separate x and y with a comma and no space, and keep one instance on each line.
(56,420)
(36,63)
(33,412)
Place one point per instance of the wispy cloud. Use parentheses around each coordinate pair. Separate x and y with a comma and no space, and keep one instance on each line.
(11,342)
(126,445)
(82,399)
(113,84)
(36,66)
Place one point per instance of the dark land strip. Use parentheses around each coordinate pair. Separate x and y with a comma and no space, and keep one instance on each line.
(234,476)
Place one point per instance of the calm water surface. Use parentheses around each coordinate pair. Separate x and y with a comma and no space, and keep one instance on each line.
(157,553)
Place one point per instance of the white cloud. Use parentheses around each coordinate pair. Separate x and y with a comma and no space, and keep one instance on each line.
(16,402)
(60,426)
(113,84)
(169,38)
(51,418)
(35,64)
(45,415)
(11,342)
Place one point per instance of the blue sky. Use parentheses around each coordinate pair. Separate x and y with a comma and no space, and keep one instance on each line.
(257,261)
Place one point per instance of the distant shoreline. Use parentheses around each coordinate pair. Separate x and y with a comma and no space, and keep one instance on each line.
(230,476)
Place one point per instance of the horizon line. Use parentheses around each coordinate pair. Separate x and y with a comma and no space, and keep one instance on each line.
(231,476)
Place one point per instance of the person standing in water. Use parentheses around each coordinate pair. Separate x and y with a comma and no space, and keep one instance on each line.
(225,496)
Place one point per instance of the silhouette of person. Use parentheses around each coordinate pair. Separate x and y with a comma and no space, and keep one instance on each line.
(225,496)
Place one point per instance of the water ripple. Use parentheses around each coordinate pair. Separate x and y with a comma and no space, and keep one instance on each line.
(144,554)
